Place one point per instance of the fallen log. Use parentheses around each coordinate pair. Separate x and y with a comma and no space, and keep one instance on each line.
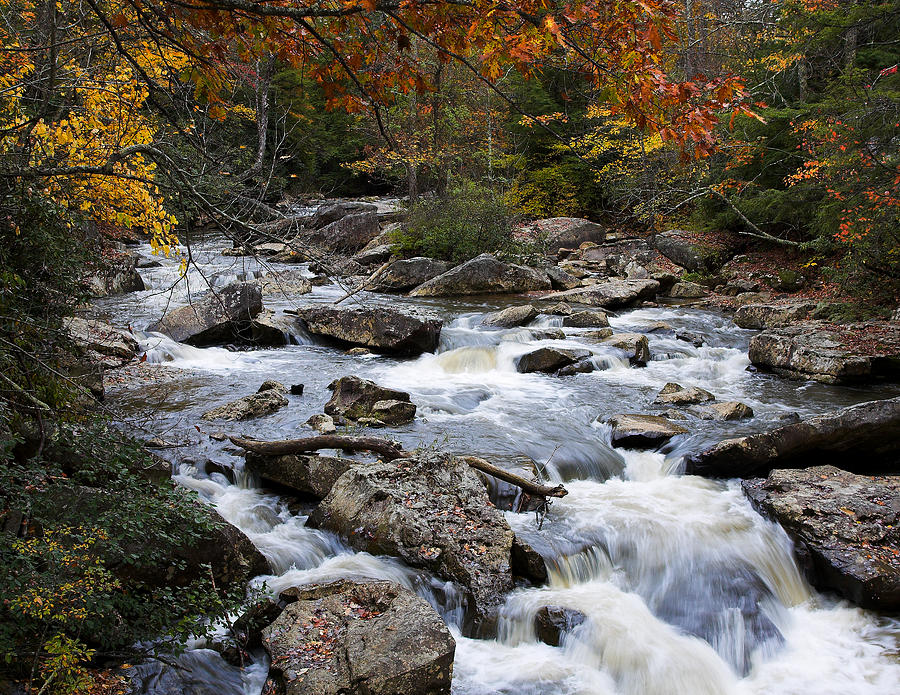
(388,451)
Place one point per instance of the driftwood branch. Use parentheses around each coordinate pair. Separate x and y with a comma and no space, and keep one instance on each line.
(388,451)
(532,488)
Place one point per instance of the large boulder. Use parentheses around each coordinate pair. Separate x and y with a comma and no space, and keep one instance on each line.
(404,275)
(690,251)
(845,527)
(356,399)
(612,294)
(249,407)
(348,638)
(332,212)
(551,623)
(348,234)
(433,512)
(510,317)
(308,475)
(829,353)
(379,328)
(483,274)
(560,279)
(687,290)
(116,276)
(633,431)
(102,338)
(214,316)
(556,233)
(548,359)
(863,438)
(773,315)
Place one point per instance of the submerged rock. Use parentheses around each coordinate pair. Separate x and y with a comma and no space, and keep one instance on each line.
(403,275)
(373,638)
(863,438)
(380,328)
(675,394)
(634,431)
(483,274)
(249,407)
(510,317)
(354,399)
(829,353)
(635,345)
(551,623)
(214,316)
(611,294)
(549,359)
(431,511)
(845,525)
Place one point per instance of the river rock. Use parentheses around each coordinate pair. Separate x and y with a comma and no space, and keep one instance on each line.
(694,339)
(611,294)
(308,475)
(404,275)
(348,638)
(600,334)
(353,398)
(249,407)
(116,276)
(101,337)
(322,423)
(347,235)
(510,317)
(270,384)
(829,353)
(583,366)
(863,438)
(633,431)
(845,525)
(552,622)
(730,410)
(332,212)
(375,255)
(687,290)
(773,315)
(691,252)
(271,330)
(483,274)
(285,283)
(635,344)
(675,394)
(549,359)
(558,309)
(380,328)
(560,279)
(433,512)
(214,316)
(556,233)
(591,318)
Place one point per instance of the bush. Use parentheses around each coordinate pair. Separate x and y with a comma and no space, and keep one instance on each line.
(468,221)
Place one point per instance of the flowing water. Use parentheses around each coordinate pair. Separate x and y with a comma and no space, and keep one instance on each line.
(686,590)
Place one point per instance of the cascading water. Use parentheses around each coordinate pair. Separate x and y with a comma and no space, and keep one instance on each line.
(684,589)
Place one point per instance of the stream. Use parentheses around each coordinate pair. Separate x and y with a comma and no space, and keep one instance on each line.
(686,589)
